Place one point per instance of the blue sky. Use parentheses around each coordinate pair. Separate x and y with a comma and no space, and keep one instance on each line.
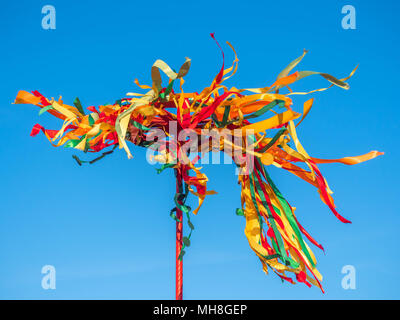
(106,227)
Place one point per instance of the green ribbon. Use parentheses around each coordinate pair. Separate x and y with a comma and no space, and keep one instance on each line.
(274,139)
(79,161)
(266,108)
(140,126)
(223,123)
(279,247)
(78,105)
(289,214)
(180,199)
(44,109)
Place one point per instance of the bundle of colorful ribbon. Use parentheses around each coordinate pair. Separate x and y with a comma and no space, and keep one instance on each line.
(272,228)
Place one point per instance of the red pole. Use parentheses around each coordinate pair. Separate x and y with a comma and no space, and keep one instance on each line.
(179,232)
